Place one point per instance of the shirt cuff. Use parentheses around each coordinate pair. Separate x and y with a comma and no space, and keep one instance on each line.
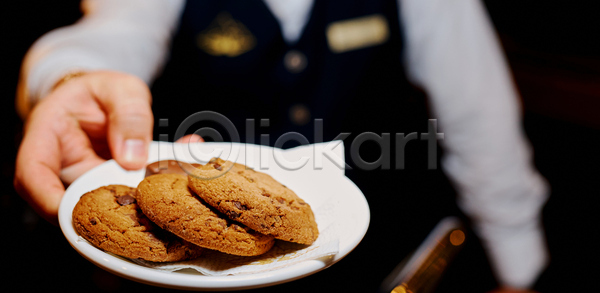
(39,80)
(50,70)
(518,254)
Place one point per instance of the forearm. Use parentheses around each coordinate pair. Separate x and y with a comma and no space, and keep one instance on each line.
(453,53)
(131,37)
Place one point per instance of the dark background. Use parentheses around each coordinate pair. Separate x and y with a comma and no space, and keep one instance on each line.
(554,52)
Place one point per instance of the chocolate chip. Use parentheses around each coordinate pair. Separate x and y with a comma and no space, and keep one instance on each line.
(217,166)
(93,221)
(233,215)
(240,206)
(125,200)
(281,200)
(266,194)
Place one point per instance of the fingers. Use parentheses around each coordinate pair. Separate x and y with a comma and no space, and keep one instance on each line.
(511,290)
(190,138)
(70,173)
(36,175)
(52,140)
(127,103)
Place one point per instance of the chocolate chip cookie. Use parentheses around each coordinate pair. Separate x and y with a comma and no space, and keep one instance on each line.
(170,167)
(110,219)
(256,200)
(167,201)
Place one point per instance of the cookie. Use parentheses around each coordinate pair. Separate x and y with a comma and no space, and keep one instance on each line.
(110,219)
(170,167)
(168,202)
(256,200)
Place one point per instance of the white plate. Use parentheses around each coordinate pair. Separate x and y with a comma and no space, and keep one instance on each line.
(351,210)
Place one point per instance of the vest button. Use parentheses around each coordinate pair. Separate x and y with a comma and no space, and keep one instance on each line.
(299,114)
(294,61)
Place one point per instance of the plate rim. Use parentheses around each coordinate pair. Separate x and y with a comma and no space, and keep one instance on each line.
(203,282)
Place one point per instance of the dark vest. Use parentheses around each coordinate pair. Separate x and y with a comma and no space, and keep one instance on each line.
(352,91)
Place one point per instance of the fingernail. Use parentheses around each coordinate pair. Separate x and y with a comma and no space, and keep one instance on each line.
(134,150)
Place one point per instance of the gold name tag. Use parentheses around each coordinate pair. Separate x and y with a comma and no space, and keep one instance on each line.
(357,33)
(226,36)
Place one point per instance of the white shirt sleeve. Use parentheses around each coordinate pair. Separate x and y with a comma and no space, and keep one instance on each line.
(129,36)
(452,51)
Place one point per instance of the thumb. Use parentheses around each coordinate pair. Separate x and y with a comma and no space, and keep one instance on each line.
(126,100)
(190,138)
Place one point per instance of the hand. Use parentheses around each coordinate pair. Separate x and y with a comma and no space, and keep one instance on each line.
(190,138)
(511,290)
(80,124)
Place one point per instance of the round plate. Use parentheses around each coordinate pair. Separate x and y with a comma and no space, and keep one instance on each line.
(352,220)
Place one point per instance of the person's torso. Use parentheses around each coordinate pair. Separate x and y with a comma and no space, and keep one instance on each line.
(345,68)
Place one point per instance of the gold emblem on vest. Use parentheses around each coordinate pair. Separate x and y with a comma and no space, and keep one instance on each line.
(226,36)
(357,33)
